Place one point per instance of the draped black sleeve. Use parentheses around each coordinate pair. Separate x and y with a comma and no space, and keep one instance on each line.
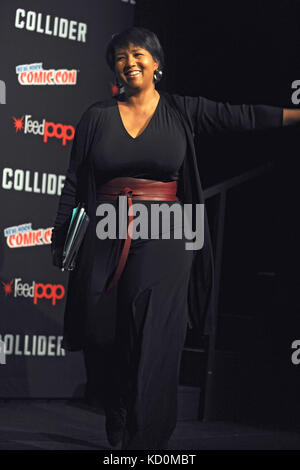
(68,199)
(212,117)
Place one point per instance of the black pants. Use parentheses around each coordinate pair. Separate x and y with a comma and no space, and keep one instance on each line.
(151,321)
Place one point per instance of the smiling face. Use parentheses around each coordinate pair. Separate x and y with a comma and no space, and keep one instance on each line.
(134,67)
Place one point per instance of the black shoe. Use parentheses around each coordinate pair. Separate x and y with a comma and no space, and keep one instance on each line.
(114,425)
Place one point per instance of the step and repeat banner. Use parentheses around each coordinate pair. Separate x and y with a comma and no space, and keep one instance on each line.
(52,68)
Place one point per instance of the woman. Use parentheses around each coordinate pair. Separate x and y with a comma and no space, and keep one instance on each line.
(141,144)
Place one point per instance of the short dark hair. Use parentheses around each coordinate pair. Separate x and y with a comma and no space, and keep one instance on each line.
(138,36)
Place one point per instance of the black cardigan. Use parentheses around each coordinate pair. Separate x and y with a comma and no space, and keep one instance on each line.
(198,115)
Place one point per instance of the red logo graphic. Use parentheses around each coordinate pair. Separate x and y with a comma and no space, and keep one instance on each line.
(114,89)
(59,131)
(49,291)
(7,287)
(18,123)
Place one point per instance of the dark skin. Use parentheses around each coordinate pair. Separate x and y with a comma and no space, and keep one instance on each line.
(138,103)
(290,116)
(140,98)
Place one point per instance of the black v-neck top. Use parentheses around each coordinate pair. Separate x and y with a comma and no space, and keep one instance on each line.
(157,153)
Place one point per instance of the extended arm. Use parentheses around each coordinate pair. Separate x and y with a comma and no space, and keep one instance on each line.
(212,117)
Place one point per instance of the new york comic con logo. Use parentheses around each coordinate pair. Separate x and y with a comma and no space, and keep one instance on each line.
(35,290)
(34,74)
(47,129)
(24,235)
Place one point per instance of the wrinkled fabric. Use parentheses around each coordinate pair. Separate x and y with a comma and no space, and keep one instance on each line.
(151,322)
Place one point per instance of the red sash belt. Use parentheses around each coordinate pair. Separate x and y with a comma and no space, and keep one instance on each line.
(139,189)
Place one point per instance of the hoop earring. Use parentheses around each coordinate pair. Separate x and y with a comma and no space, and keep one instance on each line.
(157,75)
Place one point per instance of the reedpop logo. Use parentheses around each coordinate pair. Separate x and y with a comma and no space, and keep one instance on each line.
(47,129)
(37,290)
(2,92)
